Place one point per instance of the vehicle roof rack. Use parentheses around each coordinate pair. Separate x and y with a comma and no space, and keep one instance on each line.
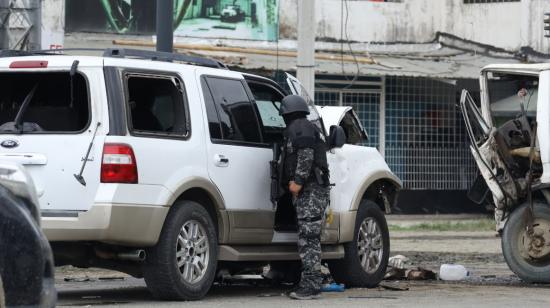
(124,53)
(161,56)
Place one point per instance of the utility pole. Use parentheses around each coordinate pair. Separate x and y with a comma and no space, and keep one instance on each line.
(306,45)
(165,21)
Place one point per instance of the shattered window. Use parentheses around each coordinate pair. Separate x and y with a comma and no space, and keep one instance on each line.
(43,103)
(510,95)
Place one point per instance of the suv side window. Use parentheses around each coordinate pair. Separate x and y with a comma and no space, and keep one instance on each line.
(237,120)
(156,105)
(268,101)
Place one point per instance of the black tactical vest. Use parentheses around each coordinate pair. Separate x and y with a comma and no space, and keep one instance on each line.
(301,133)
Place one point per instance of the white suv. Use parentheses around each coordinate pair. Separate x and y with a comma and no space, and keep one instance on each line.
(162,169)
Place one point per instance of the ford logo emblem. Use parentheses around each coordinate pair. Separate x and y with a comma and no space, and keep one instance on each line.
(9,143)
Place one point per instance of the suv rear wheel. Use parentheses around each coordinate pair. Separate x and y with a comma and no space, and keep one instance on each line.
(366,257)
(2,296)
(182,265)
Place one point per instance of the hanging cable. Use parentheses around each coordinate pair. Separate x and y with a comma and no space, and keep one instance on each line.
(358,71)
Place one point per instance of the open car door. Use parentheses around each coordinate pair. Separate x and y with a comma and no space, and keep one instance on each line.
(488,153)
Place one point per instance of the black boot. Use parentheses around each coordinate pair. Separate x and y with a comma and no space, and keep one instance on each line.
(305,293)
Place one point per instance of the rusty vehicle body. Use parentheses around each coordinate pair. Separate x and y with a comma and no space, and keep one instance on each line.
(510,141)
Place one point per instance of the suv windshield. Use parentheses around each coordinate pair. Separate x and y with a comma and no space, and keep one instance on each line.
(51,104)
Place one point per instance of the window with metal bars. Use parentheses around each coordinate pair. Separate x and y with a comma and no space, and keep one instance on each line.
(426,143)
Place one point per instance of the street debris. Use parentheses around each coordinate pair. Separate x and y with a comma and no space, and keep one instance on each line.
(453,272)
(333,287)
(398,261)
(397,270)
(77,279)
(393,287)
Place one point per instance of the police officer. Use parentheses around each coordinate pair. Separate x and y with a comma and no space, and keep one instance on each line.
(306,175)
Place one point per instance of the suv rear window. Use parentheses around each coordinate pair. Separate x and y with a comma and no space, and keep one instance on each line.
(52,106)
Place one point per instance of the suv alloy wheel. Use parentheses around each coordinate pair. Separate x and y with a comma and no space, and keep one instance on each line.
(182,265)
(366,257)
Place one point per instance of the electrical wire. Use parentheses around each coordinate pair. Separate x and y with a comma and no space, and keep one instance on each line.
(344,29)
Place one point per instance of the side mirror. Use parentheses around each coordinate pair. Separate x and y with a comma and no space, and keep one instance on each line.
(337,137)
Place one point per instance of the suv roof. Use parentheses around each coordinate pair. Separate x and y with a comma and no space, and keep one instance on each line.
(533,68)
(123,54)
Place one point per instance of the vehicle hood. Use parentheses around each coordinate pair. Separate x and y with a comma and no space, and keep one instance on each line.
(332,115)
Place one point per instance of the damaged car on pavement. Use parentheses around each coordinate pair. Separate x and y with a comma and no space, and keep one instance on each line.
(160,165)
(510,142)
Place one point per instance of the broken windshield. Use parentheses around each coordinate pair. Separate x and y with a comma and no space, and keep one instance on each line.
(509,93)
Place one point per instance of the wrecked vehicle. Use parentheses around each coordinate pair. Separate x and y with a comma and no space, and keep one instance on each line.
(232,13)
(161,169)
(510,142)
(26,261)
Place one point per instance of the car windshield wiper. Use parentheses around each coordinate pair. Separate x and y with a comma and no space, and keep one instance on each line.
(19,117)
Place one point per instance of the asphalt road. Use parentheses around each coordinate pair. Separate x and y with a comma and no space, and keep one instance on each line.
(132,293)
(491,283)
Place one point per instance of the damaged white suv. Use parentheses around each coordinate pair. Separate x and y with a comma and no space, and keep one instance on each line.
(162,169)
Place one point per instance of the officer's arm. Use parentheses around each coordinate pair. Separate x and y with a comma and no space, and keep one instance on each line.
(303,165)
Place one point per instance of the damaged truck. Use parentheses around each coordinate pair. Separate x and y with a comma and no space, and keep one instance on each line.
(510,141)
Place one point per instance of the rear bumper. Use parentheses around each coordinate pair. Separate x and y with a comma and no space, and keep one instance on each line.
(121,224)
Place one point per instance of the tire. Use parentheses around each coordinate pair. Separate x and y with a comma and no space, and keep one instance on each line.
(2,295)
(350,270)
(528,268)
(163,276)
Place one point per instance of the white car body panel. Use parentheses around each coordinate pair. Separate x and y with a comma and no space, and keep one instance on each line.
(60,156)
(543,124)
(332,115)
(244,182)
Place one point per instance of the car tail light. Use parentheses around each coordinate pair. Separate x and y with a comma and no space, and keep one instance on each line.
(29,64)
(118,164)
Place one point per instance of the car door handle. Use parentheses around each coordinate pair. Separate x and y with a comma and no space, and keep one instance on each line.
(221,160)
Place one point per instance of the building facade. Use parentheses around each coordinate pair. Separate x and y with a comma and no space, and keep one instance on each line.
(401,64)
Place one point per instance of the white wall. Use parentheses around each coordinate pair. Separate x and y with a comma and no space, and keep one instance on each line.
(507,25)
(53,24)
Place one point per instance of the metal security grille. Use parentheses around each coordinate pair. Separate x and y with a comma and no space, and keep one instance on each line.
(426,143)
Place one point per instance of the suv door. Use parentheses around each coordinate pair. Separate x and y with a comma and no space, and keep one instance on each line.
(238,160)
(489,157)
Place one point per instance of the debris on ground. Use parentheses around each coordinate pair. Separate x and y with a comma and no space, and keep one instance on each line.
(77,279)
(398,270)
(333,287)
(112,278)
(393,287)
(398,261)
(453,272)
(420,273)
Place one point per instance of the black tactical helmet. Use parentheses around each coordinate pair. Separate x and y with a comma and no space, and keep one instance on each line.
(292,104)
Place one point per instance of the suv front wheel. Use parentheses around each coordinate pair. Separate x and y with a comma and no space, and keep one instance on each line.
(182,265)
(366,257)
